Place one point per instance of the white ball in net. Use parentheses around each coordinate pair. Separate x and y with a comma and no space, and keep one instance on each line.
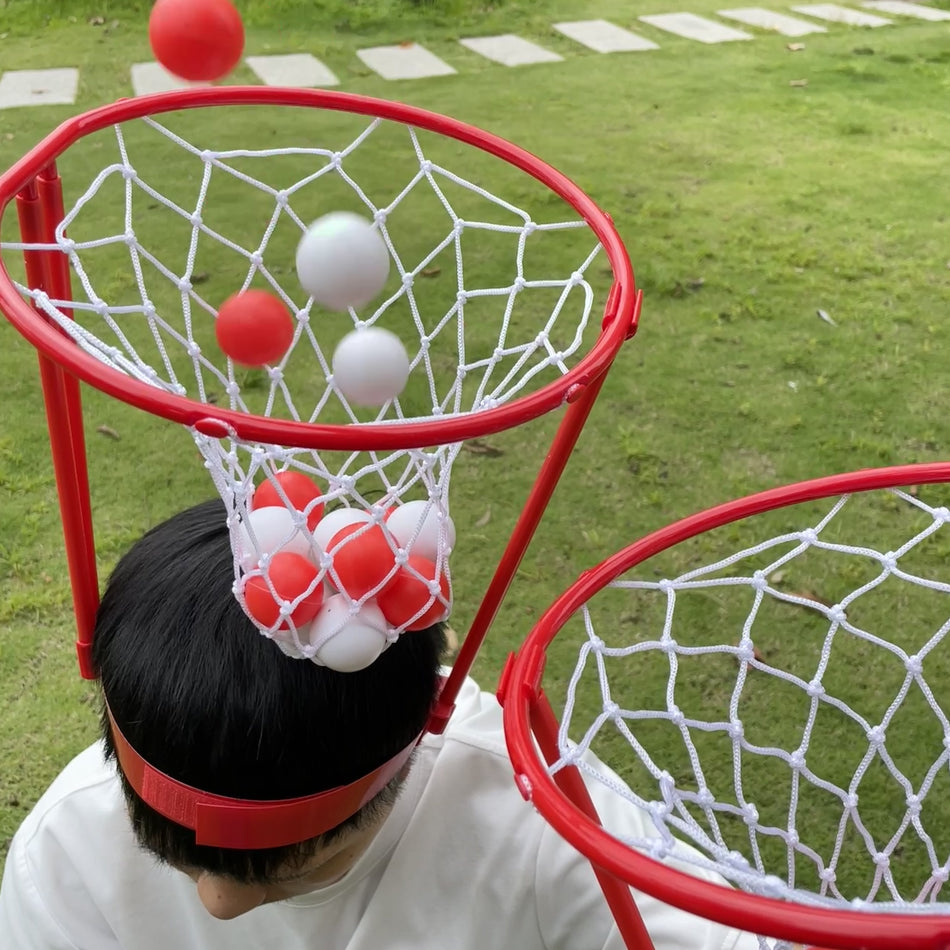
(342,261)
(273,530)
(336,521)
(355,641)
(370,366)
(420,520)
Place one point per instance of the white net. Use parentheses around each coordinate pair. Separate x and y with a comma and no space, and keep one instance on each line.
(784,708)
(490,299)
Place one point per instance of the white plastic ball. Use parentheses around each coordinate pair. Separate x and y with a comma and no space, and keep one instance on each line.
(336,521)
(355,641)
(370,366)
(274,530)
(342,261)
(421,517)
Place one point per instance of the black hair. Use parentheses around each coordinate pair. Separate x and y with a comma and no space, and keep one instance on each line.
(204,698)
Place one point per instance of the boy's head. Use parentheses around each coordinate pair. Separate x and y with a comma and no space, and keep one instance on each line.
(205,699)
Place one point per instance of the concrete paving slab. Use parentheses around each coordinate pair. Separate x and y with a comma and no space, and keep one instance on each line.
(151,77)
(510,50)
(901,8)
(770,20)
(292,69)
(405,61)
(694,27)
(604,37)
(38,87)
(835,14)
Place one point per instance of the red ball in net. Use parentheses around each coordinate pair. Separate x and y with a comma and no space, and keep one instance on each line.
(291,576)
(300,491)
(362,559)
(408,594)
(198,40)
(254,328)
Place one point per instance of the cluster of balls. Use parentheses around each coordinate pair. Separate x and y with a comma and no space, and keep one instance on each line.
(337,587)
(342,260)
(349,581)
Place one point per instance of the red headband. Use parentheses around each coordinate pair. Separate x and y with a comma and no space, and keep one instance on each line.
(242,823)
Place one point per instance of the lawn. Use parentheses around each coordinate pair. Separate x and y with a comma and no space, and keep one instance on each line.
(754,186)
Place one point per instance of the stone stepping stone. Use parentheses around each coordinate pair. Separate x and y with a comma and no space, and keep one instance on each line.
(835,14)
(510,50)
(901,8)
(151,77)
(292,69)
(604,37)
(405,61)
(38,87)
(694,27)
(770,20)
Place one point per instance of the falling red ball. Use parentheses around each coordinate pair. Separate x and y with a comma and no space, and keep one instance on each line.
(362,559)
(292,576)
(254,328)
(300,491)
(409,593)
(197,40)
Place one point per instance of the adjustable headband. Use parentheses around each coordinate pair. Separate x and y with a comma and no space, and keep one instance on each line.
(241,823)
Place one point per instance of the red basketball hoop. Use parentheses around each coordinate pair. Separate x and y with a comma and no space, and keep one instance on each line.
(536,377)
(548,748)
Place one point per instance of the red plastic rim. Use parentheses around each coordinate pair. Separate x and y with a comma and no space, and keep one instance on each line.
(619,321)
(522,693)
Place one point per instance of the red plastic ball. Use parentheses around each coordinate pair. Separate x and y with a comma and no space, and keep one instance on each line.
(362,559)
(300,491)
(291,576)
(198,40)
(254,328)
(408,594)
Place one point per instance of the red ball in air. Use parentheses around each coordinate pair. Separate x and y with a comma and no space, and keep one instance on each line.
(408,594)
(198,40)
(254,328)
(291,576)
(300,491)
(362,559)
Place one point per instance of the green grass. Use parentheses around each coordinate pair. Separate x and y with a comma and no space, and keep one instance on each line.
(747,204)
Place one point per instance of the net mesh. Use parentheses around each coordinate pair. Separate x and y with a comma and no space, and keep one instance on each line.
(490,298)
(783,708)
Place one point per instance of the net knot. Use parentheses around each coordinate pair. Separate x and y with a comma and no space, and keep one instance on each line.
(184,286)
(706,798)
(941,874)
(529,227)
(913,805)
(914,664)
(192,349)
(850,801)
(576,278)
(379,216)
(677,717)
(257,259)
(889,561)
(336,160)
(746,651)
(194,219)
(669,645)
(876,736)
(837,613)
(941,514)
(809,536)
(597,644)
(282,198)
(828,875)
(610,708)
(750,815)
(401,557)
(881,859)
(665,585)
(128,173)
(760,581)
(519,283)
(797,760)
(815,689)
(67,244)
(736,729)
(233,388)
